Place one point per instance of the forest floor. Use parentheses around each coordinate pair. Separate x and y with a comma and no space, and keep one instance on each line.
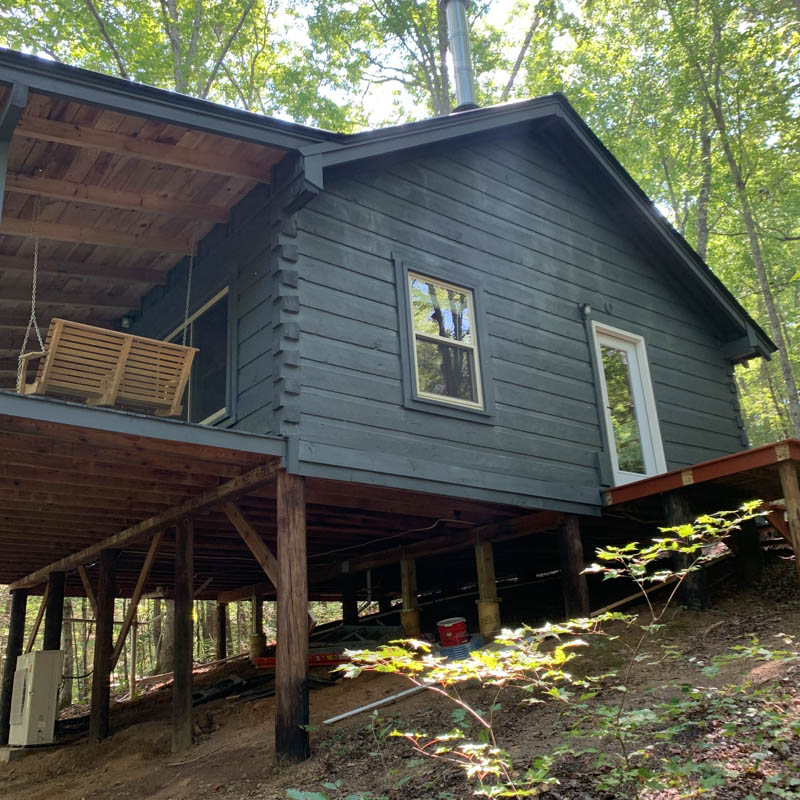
(741,744)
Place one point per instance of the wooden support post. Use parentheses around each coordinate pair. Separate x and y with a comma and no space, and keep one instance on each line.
(222,631)
(37,622)
(258,641)
(746,545)
(16,637)
(137,595)
(573,581)
(488,604)
(87,587)
(409,616)
(693,591)
(182,642)
(103,647)
(349,600)
(384,604)
(291,677)
(134,644)
(53,612)
(791,496)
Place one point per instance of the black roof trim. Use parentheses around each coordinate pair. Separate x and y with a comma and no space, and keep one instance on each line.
(86,86)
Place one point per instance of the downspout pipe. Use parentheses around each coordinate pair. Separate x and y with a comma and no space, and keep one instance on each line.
(460,52)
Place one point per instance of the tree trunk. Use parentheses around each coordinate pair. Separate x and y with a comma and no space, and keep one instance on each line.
(715,105)
(69,663)
(705,186)
(165,655)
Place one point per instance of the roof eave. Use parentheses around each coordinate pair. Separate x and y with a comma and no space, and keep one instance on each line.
(86,86)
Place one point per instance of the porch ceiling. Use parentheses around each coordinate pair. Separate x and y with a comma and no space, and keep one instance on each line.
(72,476)
(122,197)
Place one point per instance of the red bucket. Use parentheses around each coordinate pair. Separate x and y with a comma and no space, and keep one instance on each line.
(452,631)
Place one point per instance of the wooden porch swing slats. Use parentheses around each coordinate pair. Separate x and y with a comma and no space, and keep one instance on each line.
(106,368)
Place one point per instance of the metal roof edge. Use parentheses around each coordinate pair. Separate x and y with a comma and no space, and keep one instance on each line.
(83,85)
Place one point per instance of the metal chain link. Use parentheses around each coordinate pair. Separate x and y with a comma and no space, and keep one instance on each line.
(32,322)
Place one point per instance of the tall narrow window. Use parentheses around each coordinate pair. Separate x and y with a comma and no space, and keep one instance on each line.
(445,345)
(630,412)
(207,330)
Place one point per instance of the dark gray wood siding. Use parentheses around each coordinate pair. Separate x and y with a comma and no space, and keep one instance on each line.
(238,255)
(515,219)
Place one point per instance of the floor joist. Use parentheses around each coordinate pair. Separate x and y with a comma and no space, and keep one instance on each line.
(231,488)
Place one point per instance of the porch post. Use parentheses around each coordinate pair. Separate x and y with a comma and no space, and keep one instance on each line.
(488,604)
(222,631)
(54,611)
(16,636)
(103,647)
(291,674)
(693,592)
(182,642)
(409,616)
(791,496)
(349,600)
(573,581)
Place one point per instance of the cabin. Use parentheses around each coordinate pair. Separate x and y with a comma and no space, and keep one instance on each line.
(418,357)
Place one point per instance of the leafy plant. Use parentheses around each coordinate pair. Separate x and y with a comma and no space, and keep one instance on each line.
(535,661)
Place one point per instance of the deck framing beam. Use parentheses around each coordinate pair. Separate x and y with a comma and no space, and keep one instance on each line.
(236,486)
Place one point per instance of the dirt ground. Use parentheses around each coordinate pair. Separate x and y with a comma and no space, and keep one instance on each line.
(233,755)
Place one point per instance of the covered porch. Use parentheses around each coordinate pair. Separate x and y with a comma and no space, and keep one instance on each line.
(106,503)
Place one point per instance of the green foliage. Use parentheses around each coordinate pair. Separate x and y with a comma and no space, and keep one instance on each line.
(535,661)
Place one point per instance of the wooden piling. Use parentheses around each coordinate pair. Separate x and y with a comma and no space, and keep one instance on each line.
(488,604)
(349,600)
(291,676)
(103,647)
(182,642)
(222,631)
(791,496)
(409,616)
(573,582)
(53,612)
(693,591)
(16,638)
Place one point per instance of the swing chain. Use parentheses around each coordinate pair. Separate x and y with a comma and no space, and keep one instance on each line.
(32,321)
(189,283)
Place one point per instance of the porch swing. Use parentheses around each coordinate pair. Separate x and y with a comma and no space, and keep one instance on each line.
(102,367)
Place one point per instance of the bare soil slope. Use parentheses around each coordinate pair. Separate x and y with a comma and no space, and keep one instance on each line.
(233,756)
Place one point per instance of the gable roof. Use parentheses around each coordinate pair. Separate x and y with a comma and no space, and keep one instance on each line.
(321,149)
(746,339)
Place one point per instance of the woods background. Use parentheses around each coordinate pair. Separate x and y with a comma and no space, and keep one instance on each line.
(698,99)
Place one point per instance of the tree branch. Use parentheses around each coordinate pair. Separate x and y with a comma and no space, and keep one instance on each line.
(123,73)
(226,46)
(537,20)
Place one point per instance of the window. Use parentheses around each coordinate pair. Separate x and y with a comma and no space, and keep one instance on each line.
(444,342)
(629,405)
(207,330)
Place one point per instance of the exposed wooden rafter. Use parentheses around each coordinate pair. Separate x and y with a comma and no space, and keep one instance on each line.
(161,203)
(86,234)
(80,269)
(162,152)
(250,480)
(14,295)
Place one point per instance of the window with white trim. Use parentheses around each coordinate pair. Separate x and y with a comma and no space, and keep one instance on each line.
(629,405)
(444,342)
(207,330)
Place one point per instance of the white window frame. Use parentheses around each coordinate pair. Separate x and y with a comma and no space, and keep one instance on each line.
(644,401)
(431,337)
(223,412)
